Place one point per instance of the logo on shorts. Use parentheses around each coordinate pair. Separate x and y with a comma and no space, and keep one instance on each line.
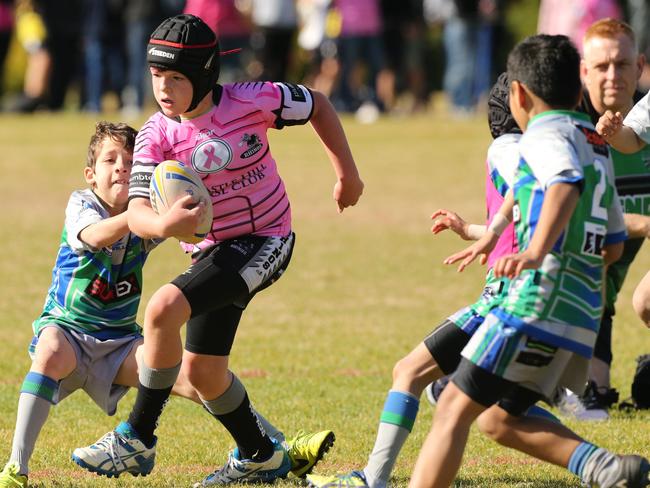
(211,156)
(106,292)
(253,145)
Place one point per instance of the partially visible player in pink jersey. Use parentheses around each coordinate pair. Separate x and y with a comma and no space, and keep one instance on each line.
(221,131)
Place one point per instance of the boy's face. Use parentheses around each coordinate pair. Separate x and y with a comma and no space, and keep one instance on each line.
(109,178)
(610,69)
(172,90)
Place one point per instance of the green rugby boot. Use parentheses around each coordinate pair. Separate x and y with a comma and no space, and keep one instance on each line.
(11,478)
(305,450)
(353,479)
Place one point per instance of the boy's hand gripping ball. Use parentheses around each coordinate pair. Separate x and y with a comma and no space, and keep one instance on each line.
(172,180)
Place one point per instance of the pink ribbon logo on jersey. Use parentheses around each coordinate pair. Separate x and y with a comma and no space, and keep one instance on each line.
(211,156)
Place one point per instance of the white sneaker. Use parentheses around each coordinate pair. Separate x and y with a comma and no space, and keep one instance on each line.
(428,391)
(570,405)
(238,470)
(116,453)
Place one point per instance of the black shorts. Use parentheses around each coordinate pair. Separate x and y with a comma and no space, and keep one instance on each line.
(488,389)
(445,344)
(222,280)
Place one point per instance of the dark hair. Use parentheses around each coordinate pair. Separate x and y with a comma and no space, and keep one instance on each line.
(186,44)
(121,132)
(549,66)
(500,118)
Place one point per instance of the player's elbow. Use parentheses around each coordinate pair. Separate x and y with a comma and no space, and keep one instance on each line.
(612,253)
(322,105)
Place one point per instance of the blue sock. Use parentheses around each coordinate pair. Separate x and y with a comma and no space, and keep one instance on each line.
(400,409)
(542,413)
(395,425)
(580,457)
(40,385)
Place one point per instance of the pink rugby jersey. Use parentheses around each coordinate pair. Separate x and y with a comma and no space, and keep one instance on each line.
(502,162)
(228,147)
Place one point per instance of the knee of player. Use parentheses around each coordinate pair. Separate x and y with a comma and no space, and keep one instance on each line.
(413,373)
(492,425)
(405,372)
(54,363)
(202,373)
(167,307)
(183,387)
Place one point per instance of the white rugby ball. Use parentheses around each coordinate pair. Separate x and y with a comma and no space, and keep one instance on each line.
(172,180)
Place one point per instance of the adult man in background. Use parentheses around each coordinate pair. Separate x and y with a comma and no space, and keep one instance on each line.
(610,69)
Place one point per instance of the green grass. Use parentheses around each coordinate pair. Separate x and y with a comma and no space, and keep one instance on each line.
(317,349)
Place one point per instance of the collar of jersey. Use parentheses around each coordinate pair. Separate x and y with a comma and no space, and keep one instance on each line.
(570,113)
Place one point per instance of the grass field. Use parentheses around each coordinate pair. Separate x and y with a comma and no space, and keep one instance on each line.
(317,349)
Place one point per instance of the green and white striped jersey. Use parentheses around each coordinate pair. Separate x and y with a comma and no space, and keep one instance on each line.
(561,302)
(94,291)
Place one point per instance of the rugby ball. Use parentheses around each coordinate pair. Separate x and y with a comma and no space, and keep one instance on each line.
(172,180)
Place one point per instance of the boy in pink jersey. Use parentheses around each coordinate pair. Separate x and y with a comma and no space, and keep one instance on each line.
(220,130)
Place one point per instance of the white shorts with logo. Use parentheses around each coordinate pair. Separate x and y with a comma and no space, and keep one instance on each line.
(505,352)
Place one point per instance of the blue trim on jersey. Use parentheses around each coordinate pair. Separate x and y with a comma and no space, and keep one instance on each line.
(62,274)
(557,247)
(536,202)
(502,189)
(470,326)
(524,180)
(616,237)
(583,293)
(542,335)
(577,180)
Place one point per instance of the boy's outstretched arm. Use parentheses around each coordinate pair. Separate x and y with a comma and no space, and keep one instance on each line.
(179,220)
(559,203)
(327,125)
(485,244)
(619,136)
(446,219)
(105,232)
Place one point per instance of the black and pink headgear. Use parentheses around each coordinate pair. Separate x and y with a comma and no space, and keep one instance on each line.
(185,43)
(500,118)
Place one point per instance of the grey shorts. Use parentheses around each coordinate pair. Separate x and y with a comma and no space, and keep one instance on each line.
(97,365)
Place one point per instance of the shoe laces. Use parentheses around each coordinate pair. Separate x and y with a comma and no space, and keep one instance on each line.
(232,465)
(110,443)
(298,441)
